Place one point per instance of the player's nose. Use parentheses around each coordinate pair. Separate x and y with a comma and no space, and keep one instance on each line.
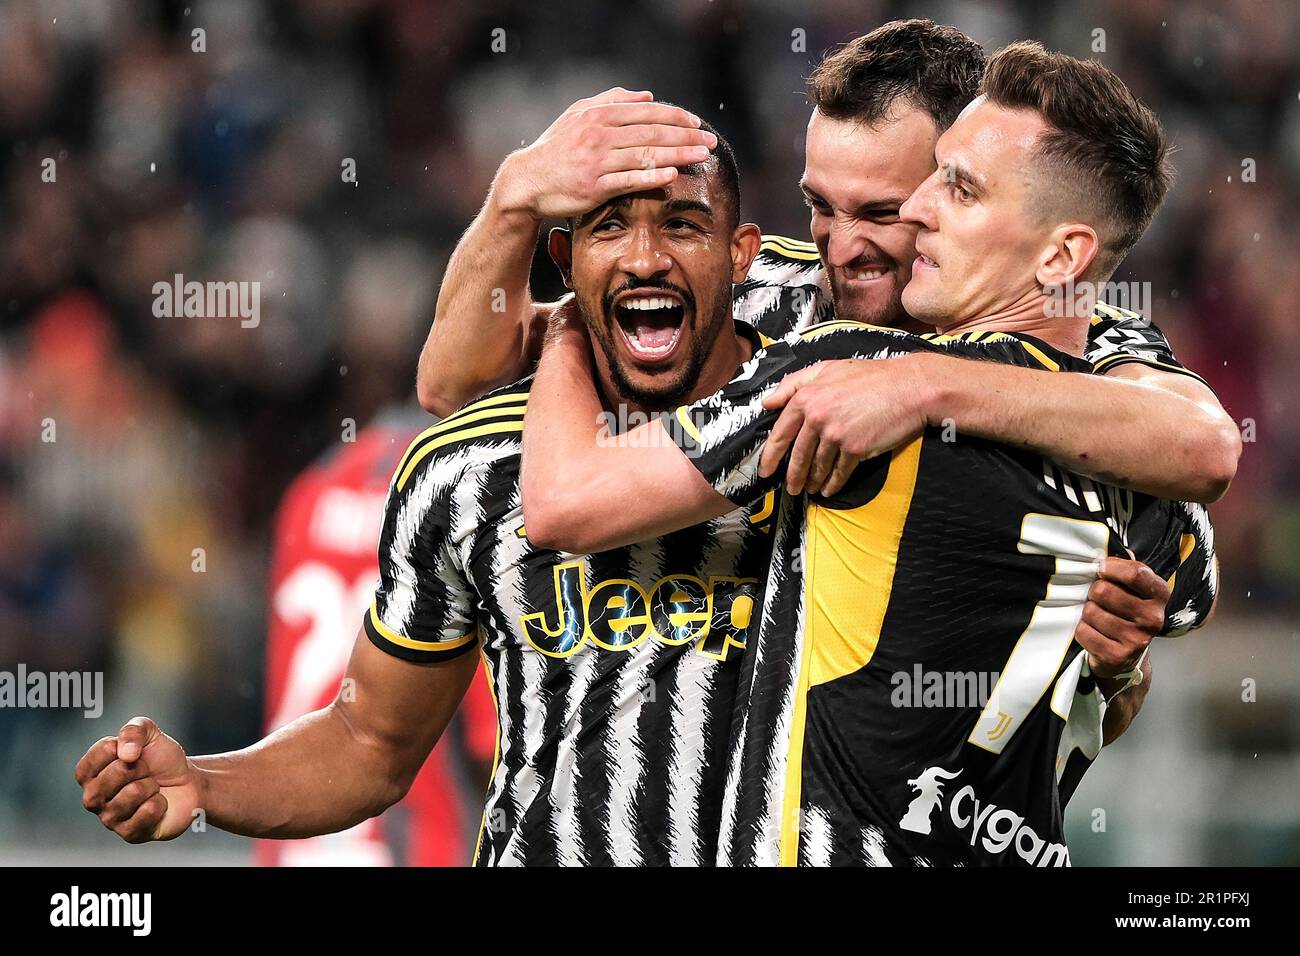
(644,256)
(845,243)
(918,208)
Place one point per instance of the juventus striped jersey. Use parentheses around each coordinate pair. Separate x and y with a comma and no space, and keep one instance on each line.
(614,673)
(786,289)
(907,697)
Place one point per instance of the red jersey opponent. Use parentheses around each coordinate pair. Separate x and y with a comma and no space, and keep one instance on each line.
(323,572)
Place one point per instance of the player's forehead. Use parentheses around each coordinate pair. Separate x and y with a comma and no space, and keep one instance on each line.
(849,163)
(989,143)
(696,189)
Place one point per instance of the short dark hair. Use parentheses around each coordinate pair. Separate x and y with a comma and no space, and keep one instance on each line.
(917,62)
(723,160)
(1101,136)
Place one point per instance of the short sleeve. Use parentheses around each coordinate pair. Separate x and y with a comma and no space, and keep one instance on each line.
(424,608)
(1119,337)
(1176,540)
(1195,582)
(723,433)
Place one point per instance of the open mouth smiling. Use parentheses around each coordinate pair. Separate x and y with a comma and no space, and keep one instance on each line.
(650,322)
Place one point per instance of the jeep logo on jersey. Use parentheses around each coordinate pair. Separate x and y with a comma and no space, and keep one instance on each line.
(619,614)
(993,828)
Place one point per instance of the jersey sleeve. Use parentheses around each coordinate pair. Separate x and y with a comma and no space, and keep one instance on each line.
(1119,337)
(1176,540)
(723,433)
(785,289)
(1195,581)
(424,608)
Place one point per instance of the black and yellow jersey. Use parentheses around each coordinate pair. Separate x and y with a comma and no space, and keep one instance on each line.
(786,290)
(614,674)
(907,699)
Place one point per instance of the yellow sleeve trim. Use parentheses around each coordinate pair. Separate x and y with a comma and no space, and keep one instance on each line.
(388,634)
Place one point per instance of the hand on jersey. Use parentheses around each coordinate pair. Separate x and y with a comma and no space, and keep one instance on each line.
(140,783)
(616,142)
(1124,611)
(837,414)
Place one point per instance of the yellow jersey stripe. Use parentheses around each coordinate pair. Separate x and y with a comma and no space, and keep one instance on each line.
(835,325)
(765,511)
(388,634)
(492,428)
(1037,353)
(687,423)
(487,403)
(790,248)
(798,245)
(472,412)
(852,555)
(804,256)
(1185,546)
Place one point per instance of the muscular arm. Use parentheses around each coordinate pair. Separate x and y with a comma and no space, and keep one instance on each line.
(324,772)
(1104,426)
(486,328)
(483,332)
(586,491)
(1151,431)
(333,768)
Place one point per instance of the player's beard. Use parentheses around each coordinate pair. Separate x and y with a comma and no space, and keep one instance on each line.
(672,386)
(887,313)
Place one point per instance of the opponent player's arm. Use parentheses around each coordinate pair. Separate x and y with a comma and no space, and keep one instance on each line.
(486,327)
(1106,426)
(586,491)
(324,772)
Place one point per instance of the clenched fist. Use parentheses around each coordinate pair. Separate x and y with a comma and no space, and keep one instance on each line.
(140,783)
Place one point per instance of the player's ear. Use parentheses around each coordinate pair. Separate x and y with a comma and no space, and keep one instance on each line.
(745,242)
(1070,251)
(559,242)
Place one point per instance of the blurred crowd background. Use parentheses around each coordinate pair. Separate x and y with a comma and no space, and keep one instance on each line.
(171,434)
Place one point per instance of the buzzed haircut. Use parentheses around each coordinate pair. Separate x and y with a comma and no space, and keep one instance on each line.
(723,159)
(914,63)
(1104,147)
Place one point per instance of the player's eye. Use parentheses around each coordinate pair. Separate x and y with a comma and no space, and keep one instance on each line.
(607,225)
(963,194)
(681,225)
(817,206)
